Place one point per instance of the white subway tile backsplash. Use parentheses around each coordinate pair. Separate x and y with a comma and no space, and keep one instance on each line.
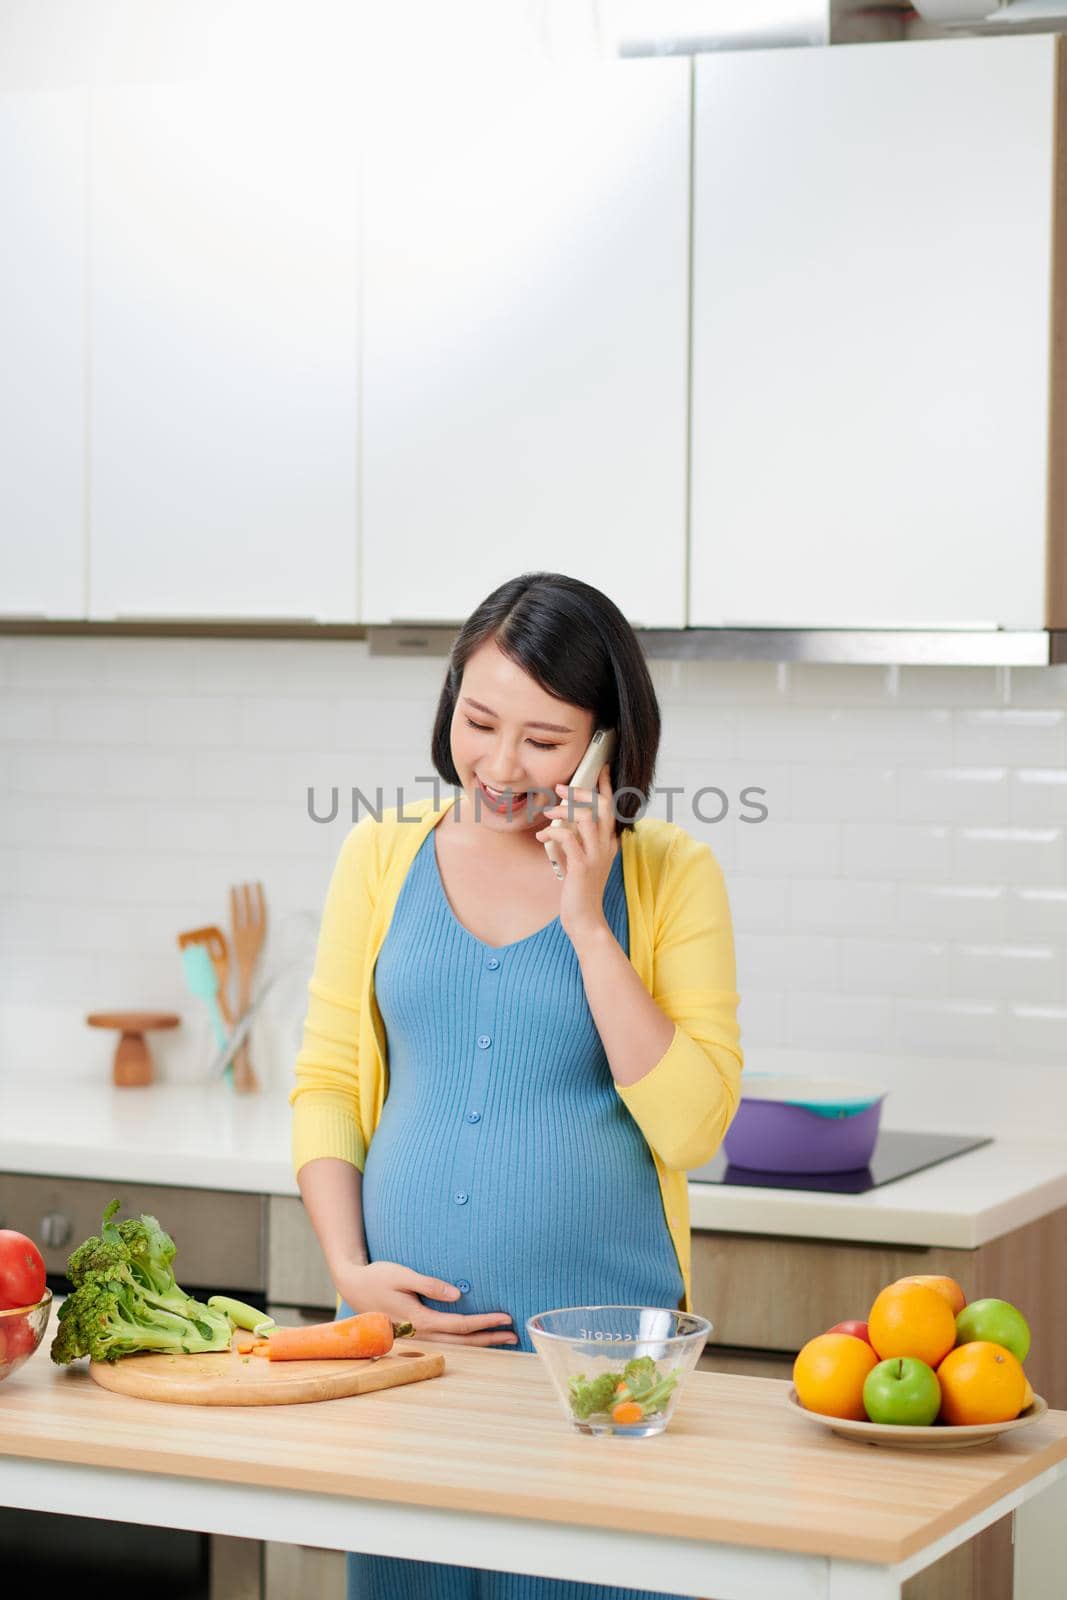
(954,794)
(59,979)
(733,683)
(947,911)
(809,847)
(1029,972)
(949,1027)
(842,906)
(27,718)
(901,851)
(810,683)
(52,662)
(1035,913)
(837,1020)
(1040,1033)
(894,967)
(100,720)
(193,722)
(949,686)
(1013,736)
(758,905)
(762,1016)
(816,734)
(1039,686)
(1009,855)
(284,722)
(905,894)
(769,961)
(839,792)
(1039,794)
(73,823)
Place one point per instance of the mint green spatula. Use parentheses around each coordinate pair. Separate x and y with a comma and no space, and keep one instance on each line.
(202,980)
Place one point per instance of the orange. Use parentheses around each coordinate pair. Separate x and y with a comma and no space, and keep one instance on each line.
(981,1382)
(908,1319)
(829,1374)
(946,1286)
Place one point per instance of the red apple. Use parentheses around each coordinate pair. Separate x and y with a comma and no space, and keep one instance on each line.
(858,1330)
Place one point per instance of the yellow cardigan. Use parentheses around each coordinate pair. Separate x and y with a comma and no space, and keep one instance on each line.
(681,946)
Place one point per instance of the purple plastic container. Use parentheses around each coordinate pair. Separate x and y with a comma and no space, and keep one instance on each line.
(774,1136)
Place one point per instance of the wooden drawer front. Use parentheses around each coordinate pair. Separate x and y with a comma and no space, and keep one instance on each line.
(768,1293)
(746,1363)
(296,1270)
(219,1234)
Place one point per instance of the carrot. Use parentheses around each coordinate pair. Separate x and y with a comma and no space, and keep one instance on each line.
(627,1411)
(367,1334)
(243,1344)
(261,1347)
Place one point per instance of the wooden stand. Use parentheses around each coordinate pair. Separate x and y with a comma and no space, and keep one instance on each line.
(132,1067)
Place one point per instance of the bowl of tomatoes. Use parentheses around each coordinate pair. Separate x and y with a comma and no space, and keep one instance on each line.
(25,1300)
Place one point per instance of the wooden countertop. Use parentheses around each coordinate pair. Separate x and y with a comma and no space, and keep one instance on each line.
(736,1466)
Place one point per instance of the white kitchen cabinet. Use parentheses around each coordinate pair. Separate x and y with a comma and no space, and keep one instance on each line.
(42,367)
(224,295)
(526,335)
(877,289)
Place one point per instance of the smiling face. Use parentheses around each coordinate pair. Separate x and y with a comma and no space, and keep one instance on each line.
(499,739)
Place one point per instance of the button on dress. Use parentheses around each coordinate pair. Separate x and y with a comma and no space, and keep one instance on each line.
(504,1161)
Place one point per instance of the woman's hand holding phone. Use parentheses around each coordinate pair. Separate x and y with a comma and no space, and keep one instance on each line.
(387,1286)
(589,845)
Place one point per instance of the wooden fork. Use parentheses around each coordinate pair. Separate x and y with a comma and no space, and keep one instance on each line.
(248,926)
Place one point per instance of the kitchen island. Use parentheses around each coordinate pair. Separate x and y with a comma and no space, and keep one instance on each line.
(741,1498)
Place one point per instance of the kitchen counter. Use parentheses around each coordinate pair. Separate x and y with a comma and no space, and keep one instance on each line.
(196,1136)
(741,1496)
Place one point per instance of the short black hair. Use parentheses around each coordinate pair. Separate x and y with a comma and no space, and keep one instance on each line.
(576,643)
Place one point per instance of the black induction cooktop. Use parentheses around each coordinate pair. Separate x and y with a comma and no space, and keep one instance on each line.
(896,1155)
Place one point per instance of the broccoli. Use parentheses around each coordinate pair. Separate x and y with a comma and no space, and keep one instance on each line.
(640,1381)
(126,1298)
(592,1394)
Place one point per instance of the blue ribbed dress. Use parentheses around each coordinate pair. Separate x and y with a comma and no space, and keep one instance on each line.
(500,1127)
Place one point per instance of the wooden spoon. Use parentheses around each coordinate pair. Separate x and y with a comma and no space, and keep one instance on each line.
(248,929)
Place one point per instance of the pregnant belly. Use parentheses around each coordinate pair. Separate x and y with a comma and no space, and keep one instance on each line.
(586,1228)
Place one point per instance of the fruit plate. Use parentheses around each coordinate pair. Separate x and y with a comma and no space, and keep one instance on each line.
(932,1438)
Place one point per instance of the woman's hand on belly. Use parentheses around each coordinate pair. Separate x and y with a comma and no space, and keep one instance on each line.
(396,1290)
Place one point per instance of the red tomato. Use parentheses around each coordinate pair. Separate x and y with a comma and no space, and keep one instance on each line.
(16,1339)
(22,1273)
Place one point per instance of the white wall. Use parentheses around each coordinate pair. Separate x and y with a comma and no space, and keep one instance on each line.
(901,915)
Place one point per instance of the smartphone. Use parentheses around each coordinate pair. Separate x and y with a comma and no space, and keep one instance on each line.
(600,748)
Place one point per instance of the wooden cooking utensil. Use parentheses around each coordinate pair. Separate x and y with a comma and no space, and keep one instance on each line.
(248,929)
(132,1067)
(214,941)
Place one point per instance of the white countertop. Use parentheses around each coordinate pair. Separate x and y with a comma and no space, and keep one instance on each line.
(211,1138)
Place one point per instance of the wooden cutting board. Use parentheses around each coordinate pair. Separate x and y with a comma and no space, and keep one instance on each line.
(227,1379)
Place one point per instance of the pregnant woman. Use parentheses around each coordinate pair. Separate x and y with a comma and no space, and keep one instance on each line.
(505,1076)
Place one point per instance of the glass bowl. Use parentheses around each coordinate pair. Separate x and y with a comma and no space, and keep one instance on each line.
(21,1331)
(587,1350)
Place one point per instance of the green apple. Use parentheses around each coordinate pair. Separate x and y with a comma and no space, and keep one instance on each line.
(996,1321)
(902,1390)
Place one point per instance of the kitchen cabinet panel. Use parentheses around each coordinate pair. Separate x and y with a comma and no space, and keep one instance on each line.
(526,336)
(224,332)
(296,1270)
(42,336)
(219,1234)
(878,257)
(774,1293)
